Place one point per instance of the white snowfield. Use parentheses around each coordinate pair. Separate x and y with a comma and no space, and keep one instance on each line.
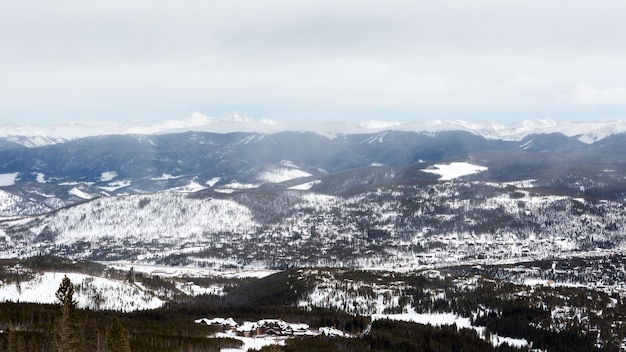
(281,175)
(90,292)
(8,179)
(447,319)
(454,170)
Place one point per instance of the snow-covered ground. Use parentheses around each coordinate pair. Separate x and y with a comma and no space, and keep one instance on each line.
(250,328)
(80,194)
(8,179)
(144,217)
(434,319)
(108,176)
(90,292)
(165,177)
(281,175)
(11,204)
(192,271)
(305,186)
(213,181)
(239,185)
(254,343)
(113,186)
(454,170)
(443,319)
(190,188)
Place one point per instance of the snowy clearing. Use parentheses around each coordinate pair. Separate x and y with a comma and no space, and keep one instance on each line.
(108,176)
(80,194)
(213,181)
(41,178)
(113,186)
(91,292)
(238,185)
(305,186)
(8,179)
(281,175)
(441,319)
(254,343)
(190,271)
(434,319)
(165,177)
(454,170)
(522,184)
(190,188)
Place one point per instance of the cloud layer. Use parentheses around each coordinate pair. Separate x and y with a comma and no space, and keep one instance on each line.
(327,60)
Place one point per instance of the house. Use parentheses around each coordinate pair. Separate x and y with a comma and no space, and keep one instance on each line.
(275,327)
(226,324)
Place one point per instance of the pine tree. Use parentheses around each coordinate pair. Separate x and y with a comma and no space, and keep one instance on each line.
(66,334)
(116,339)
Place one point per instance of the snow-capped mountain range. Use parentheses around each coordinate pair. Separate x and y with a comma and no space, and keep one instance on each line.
(33,136)
(239,190)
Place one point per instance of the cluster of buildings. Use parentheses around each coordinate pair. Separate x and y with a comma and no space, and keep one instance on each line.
(265,327)
(269,327)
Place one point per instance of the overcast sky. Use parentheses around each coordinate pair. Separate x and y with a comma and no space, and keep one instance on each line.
(475,60)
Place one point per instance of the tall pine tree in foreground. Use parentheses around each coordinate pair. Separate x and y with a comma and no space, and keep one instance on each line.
(66,331)
(116,338)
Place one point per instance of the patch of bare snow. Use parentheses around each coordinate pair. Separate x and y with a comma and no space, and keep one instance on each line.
(108,176)
(444,319)
(454,170)
(123,296)
(194,271)
(305,186)
(78,193)
(252,343)
(165,177)
(190,188)
(113,186)
(8,179)
(281,175)
(522,183)
(224,190)
(238,185)
(434,319)
(213,181)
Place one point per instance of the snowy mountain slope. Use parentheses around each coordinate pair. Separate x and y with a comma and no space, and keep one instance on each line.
(403,225)
(140,161)
(164,217)
(80,170)
(13,206)
(92,292)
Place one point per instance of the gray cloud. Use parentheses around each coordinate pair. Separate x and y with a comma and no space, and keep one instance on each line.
(151,59)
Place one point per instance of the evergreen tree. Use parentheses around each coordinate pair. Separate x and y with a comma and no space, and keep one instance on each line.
(116,339)
(66,334)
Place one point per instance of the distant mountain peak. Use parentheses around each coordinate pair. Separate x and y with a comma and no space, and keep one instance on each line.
(374,124)
(236,117)
(587,132)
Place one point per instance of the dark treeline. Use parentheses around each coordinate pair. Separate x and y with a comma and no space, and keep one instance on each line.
(395,336)
(549,318)
(31,327)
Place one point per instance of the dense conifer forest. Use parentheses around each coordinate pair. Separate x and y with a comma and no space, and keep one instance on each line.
(547,317)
